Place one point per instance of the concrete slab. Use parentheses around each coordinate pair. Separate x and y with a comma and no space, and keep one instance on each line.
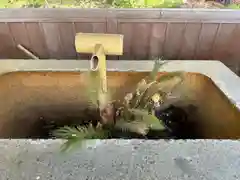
(121,160)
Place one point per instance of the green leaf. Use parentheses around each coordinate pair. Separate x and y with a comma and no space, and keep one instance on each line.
(77,135)
(71,144)
(157,65)
(152,121)
(139,100)
(136,126)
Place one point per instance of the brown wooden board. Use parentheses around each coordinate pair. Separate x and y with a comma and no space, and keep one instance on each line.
(157,39)
(67,41)
(191,34)
(20,36)
(7,46)
(112,28)
(234,51)
(190,41)
(206,41)
(174,38)
(222,45)
(127,30)
(141,37)
(37,40)
(53,40)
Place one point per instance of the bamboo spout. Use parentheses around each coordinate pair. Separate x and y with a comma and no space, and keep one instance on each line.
(98,63)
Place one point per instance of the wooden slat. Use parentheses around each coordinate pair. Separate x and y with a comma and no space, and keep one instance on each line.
(70,15)
(99,28)
(206,41)
(112,28)
(37,40)
(201,15)
(222,45)
(141,39)
(52,38)
(67,41)
(143,30)
(157,39)
(127,30)
(84,15)
(174,39)
(7,47)
(190,41)
(112,25)
(234,52)
(20,36)
(85,28)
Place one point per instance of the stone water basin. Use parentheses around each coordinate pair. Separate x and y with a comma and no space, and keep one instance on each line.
(32,94)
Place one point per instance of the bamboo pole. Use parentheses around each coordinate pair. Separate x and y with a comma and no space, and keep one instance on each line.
(27,52)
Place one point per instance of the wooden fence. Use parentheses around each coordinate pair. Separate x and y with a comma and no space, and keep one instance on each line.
(172,33)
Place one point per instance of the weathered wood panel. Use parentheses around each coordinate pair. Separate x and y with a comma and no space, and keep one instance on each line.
(140,44)
(206,41)
(37,40)
(19,36)
(127,30)
(234,51)
(174,38)
(7,45)
(148,33)
(157,39)
(67,34)
(222,45)
(190,41)
(53,39)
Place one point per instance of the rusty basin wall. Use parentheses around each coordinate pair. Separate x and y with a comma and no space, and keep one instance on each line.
(185,34)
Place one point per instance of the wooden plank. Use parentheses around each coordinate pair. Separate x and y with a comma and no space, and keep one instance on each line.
(190,41)
(99,28)
(157,39)
(203,15)
(37,41)
(67,41)
(221,48)
(52,38)
(174,39)
(51,15)
(234,52)
(112,28)
(112,25)
(72,15)
(141,41)
(206,41)
(127,30)
(8,49)
(20,36)
(85,28)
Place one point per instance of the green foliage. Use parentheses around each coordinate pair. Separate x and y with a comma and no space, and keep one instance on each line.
(76,136)
(97,3)
(234,6)
(147,3)
(22,3)
(134,114)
